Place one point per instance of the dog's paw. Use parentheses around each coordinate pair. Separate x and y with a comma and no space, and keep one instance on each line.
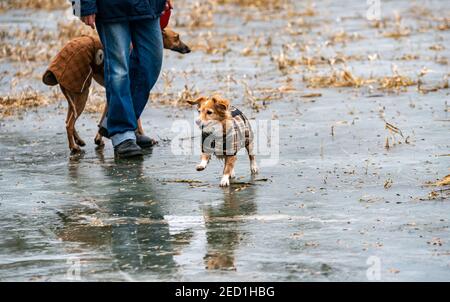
(225,182)
(202,165)
(99,141)
(75,150)
(80,142)
(254,169)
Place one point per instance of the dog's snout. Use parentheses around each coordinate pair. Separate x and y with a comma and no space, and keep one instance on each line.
(183,49)
(198,122)
(186,49)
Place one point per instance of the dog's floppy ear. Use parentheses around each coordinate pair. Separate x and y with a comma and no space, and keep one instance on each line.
(198,101)
(220,103)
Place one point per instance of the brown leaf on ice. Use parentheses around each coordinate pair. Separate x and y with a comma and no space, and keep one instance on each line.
(311,95)
(435,241)
(388,183)
(188,181)
(394,271)
(444,182)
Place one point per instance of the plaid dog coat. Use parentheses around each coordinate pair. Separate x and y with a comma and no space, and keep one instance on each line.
(222,142)
(74,66)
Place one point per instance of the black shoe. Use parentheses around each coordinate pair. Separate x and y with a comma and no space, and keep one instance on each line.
(145,141)
(128,149)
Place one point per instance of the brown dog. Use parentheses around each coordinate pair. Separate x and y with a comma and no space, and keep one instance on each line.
(74,67)
(225,130)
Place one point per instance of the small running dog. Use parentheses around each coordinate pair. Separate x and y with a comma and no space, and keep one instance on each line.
(225,130)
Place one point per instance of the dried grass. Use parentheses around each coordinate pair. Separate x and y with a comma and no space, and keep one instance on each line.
(344,78)
(26,53)
(213,45)
(11,104)
(175,99)
(338,78)
(395,82)
(34,4)
(444,181)
(397,33)
(73,29)
(200,15)
(32,45)
(287,63)
(344,37)
(399,29)
(444,24)
(437,47)
(37,46)
(273,4)
(409,57)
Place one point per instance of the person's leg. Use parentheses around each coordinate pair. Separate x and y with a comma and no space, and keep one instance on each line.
(145,60)
(121,122)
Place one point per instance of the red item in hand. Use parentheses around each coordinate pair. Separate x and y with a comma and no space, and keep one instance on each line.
(165,17)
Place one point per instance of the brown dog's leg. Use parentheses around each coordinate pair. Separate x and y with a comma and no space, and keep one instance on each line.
(98,140)
(70,136)
(204,162)
(77,102)
(78,139)
(80,101)
(98,77)
(98,137)
(140,129)
(69,121)
(70,128)
(227,170)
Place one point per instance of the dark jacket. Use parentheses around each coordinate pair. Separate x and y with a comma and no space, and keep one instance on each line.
(122,10)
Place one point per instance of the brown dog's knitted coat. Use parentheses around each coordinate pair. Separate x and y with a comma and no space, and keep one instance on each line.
(74,66)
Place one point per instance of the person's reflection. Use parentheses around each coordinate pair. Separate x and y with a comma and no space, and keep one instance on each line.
(140,241)
(129,223)
(223,227)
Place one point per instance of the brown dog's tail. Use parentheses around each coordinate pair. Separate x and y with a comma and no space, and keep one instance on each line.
(49,78)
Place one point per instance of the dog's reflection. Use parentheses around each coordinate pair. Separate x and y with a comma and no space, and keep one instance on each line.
(224,227)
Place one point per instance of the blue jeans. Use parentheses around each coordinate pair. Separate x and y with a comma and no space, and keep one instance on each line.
(129,77)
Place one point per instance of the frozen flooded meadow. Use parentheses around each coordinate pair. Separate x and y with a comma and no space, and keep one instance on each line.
(356,190)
